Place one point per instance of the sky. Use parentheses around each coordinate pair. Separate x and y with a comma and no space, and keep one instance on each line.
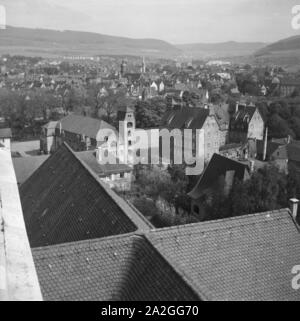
(175,21)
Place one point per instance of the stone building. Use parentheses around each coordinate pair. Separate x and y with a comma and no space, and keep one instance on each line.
(207,137)
(289,87)
(246,123)
(79,132)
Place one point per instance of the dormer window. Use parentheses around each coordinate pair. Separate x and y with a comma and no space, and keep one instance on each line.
(170,119)
(189,122)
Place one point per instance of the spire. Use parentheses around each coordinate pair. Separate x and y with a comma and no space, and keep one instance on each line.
(143,66)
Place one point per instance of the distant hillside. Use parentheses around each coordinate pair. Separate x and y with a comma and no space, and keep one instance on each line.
(41,42)
(289,44)
(225,49)
(283,52)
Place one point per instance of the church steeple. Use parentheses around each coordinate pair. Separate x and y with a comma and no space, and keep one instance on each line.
(123,68)
(143,69)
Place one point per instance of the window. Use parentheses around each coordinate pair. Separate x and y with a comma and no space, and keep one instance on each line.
(130,143)
(122,175)
(130,125)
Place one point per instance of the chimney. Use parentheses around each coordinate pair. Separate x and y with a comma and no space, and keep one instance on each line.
(252,164)
(237,107)
(294,208)
(265,145)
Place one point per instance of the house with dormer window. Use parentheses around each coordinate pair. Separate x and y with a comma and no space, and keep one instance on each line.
(246,123)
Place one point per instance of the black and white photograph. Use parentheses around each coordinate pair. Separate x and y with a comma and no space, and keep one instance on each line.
(149,153)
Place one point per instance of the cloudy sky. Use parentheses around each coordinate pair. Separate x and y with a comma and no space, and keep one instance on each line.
(176,21)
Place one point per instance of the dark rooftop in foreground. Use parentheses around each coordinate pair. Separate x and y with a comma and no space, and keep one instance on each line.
(64,201)
(243,258)
(88,244)
(118,268)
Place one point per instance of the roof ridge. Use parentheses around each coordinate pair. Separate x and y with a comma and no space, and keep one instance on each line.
(181,274)
(224,220)
(87,241)
(113,195)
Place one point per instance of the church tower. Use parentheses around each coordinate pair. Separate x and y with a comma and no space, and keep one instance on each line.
(127,134)
(143,69)
(123,68)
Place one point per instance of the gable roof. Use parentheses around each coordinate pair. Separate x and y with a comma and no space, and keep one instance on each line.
(217,167)
(115,268)
(243,258)
(243,113)
(83,125)
(272,147)
(64,201)
(187,117)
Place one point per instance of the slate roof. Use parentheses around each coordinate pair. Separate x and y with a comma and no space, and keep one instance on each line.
(64,201)
(26,166)
(217,167)
(5,133)
(120,268)
(187,117)
(243,116)
(272,147)
(242,258)
(83,125)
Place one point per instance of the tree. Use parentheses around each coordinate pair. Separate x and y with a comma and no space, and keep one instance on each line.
(148,114)
(266,190)
(295,126)
(108,105)
(279,127)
